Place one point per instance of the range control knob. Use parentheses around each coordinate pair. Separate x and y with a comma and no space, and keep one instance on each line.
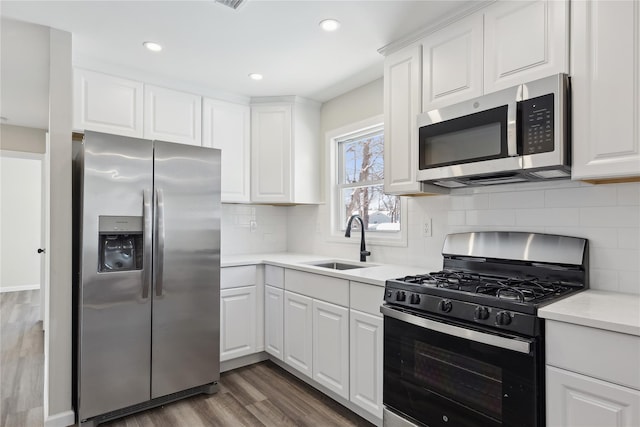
(503,318)
(401,296)
(445,305)
(481,313)
(415,299)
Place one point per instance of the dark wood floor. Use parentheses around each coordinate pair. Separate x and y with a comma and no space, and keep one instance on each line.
(21,360)
(258,395)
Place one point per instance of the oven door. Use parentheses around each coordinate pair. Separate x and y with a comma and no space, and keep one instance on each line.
(474,137)
(441,374)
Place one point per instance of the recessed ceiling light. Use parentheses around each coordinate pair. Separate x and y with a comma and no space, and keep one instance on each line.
(329,24)
(255,76)
(152,46)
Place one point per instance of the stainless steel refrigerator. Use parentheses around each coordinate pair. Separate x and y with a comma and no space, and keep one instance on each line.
(146,274)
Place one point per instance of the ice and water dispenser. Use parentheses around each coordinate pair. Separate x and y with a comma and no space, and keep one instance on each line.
(121,243)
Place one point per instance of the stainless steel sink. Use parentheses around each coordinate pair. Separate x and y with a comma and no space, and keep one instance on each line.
(335,265)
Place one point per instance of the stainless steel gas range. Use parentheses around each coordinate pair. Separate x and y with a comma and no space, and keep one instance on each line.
(463,347)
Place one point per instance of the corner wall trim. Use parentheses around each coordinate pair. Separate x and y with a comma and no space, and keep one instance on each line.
(61,419)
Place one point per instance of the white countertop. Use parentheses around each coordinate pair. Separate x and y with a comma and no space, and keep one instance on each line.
(372,273)
(612,311)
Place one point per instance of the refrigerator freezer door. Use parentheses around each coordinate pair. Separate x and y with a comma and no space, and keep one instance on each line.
(186,293)
(114,306)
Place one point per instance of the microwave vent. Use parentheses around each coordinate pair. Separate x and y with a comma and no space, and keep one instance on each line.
(551,173)
(450,184)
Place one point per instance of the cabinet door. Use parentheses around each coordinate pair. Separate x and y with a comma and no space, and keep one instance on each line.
(402,93)
(271,139)
(524,41)
(331,347)
(227,126)
(605,63)
(107,104)
(298,330)
(366,361)
(452,64)
(237,322)
(578,400)
(274,321)
(172,116)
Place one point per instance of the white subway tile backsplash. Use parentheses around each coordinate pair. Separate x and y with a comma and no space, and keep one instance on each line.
(615,259)
(629,194)
(518,200)
(604,280)
(548,216)
(629,281)
(596,195)
(629,238)
(456,218)
(610,216)
(491,217)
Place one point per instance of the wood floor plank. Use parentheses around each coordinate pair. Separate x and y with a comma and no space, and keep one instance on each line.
(259,395)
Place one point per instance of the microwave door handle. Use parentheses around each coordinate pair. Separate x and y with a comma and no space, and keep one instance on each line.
(513,344)
(512,130)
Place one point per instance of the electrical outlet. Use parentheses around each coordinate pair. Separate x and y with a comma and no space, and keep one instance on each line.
(253,225)
(427,226)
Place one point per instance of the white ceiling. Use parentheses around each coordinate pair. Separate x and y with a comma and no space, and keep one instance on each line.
(209,45)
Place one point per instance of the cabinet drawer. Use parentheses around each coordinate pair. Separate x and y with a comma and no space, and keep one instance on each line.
(366,298)
(325,288)
(274,276)
(609,356)
(235,277)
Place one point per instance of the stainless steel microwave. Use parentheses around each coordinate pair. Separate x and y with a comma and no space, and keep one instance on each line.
(513,135)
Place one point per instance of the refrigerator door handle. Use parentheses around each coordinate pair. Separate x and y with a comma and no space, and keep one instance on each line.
(159,241)
(147,220)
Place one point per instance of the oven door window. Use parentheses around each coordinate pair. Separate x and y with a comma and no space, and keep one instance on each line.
(442,380)
(472,138)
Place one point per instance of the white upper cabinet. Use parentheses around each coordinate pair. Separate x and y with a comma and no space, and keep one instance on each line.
(452,64)
(285,150)
(605,70)
(524,41)
(173,116)
(107,104)
(227,126)
(402,103)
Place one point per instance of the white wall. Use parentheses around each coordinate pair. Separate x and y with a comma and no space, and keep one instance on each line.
(20,220)
(607,215)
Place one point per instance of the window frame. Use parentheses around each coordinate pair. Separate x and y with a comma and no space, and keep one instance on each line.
(335,187)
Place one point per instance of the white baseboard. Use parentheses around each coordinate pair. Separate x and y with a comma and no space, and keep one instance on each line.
(62,419)
(19,288)
(240,362)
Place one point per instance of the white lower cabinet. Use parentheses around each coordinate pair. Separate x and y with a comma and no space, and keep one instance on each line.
(237,322)
(274,321)
(298,330)
(366,361)
(331,347)
(575,400)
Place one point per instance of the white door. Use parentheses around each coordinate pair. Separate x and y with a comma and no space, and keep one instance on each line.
(452,64)
(524,41)
(237,322)
(173,116)
(298,330)
(331,347)
(578,400)
(605,70)
(366,361)
(274,321)
(20,220)
(402,103)
(227,126)
(271,139)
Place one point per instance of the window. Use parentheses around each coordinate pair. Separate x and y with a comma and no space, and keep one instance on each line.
(359,186)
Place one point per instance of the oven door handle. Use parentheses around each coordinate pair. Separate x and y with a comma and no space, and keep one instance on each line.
(515,344)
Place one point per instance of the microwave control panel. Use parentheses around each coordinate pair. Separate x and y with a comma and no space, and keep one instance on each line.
(536,125)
